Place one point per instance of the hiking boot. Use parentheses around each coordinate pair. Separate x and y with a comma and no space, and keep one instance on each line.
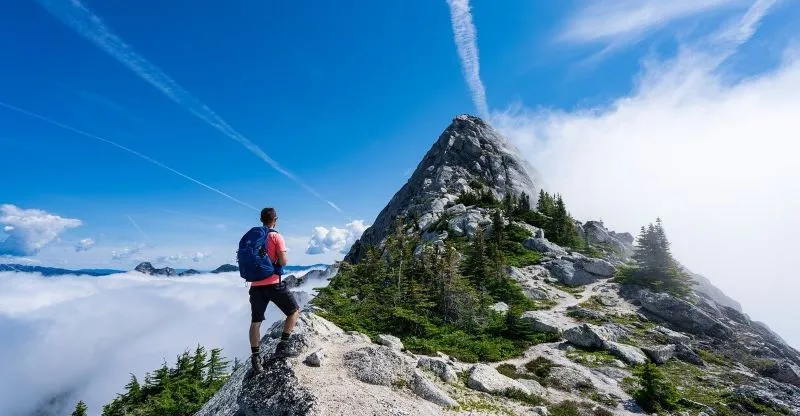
(255,360)
(284,350)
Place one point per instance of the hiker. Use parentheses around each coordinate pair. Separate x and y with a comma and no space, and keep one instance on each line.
(267,288)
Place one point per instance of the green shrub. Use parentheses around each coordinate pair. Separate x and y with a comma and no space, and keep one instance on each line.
(655,392)
(516,233)
(508,370)
(565,408)
(540,367)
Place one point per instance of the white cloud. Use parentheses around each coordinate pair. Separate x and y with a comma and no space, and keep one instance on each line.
(197,257)
(84,244)
(200,256)
(30,229)
(69,328)
(610,20)
(715,158)
(126,253)
(324,240)
(466,38)
(83,21)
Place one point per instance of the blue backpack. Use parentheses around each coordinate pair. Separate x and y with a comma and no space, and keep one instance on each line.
(254,263)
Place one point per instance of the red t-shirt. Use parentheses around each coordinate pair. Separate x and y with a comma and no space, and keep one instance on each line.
(275,245)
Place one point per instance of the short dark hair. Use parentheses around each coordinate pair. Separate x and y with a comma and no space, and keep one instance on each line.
(268,215)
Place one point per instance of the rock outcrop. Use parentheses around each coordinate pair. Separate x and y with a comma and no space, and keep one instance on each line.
(147,268)
(226,268)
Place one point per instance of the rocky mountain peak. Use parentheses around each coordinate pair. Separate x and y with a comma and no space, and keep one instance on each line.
(469,156)
(599,336)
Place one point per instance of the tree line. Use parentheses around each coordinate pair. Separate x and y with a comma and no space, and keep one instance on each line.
(171,391)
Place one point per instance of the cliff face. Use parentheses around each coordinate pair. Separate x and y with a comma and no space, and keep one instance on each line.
(598,331)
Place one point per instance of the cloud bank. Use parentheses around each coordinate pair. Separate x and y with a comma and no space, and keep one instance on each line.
(466,38)
(30,229)
(126,252)
(196,257)
(80,19)
(714,155)
(80,337)
(324,240)
(84,244)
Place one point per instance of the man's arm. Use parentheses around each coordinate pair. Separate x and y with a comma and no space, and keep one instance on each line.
(281,250)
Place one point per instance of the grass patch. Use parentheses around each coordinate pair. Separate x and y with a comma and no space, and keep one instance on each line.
(521,396)
(569,289)
(604,399)
(508,370)
(573,408)
(713,358)
(591,359)
(474,405)
(519,258)
(753,406)
(468,348)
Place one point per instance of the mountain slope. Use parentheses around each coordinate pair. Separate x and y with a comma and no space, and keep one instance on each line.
(562,334)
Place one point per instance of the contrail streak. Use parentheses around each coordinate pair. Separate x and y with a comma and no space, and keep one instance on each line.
(119,146)
(90,26)
(466,39)
(138,228)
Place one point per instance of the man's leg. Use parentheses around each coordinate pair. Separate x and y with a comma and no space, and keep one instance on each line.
(291,320)
(258,305)
(284,300)
(255,334)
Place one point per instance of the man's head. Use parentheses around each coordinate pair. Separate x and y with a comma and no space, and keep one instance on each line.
(269,217)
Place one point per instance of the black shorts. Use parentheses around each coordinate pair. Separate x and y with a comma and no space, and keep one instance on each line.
(279,294)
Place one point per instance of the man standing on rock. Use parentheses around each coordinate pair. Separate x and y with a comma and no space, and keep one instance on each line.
(272,289)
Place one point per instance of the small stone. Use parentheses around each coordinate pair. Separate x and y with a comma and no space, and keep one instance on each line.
(500,307)
(587,336)
(541,322)
(390,341)
(660,354)
(316,358)
(485,378)
(440,367)
(427,390)
(627,353)
(541,411)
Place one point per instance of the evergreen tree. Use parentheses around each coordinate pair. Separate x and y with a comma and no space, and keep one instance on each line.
(80,409)
(477,265)
(133,390)
(509,203)
(524,202)
(546,204)
(656,268)
(198,363)
(656,392)
(217,367)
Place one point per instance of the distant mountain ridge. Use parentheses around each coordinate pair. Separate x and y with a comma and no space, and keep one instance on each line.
(54,271)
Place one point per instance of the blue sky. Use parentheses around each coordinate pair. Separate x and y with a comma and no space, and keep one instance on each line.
(346,98)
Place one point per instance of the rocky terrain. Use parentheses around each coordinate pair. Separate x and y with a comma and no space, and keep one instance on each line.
(599,330)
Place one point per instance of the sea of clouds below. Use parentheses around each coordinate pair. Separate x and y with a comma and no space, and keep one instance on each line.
(80,338)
